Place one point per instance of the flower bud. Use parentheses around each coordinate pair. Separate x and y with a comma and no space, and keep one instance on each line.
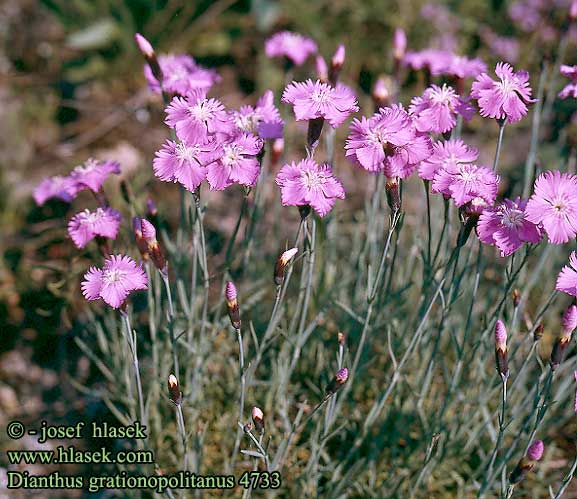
(381,94)
(534,454)
(568,324)
(140,242)
(258,419)
(277,150)
(399,44)
(247,428)
(174,390)
(149,236)
(281,265)
(151,209)
(501,356)
(341,339)
(516,297)
(393,190)
(339,380)
(149,55)
(337,63)
(322,68)
(232,304)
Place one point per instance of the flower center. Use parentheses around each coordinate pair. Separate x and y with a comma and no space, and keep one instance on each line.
(312,180)
(321,95)
(200,112)
(113,276)
(512,218)
(89,165)
(444,96)
(186,153)
(231,155)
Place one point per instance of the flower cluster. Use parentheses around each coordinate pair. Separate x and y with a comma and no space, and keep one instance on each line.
(444,62)
(90,175)
(388,141)
(215,144)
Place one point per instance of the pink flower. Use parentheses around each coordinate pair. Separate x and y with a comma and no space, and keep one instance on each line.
(237,163)
(263,120)
(554,204)
(181,75)
(436,111)
(320,100)
(307,183)
(114,282)
(461,67)
(292,45)
(465,182)
(60,187)
(570,90)
(567,278)
(431,59)
(186,164)
(387,141)
(507,98)
(506,227)
(86,225)
(450,152)
(195,118)
(93,173)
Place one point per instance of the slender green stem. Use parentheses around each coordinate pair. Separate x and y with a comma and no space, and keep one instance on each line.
(567,479)
(131,338)
(171,322)
(502,427)
(182,429)
(499,144)
(242,395)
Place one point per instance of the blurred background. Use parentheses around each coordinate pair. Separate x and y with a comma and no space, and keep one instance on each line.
(72,86)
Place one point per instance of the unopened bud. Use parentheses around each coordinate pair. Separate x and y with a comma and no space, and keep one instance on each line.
(399,44)
(149,236)
(232,304)
(339,380)
(151,209)
(322,68)
(501,356)
(258,419)
(281,265)
(277,150)
(149,55)
(381,93)
(247,428)
(174,390)
(393,190)
(140,242)
(516,297)
(341,339)
(534,454)
(337,63)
